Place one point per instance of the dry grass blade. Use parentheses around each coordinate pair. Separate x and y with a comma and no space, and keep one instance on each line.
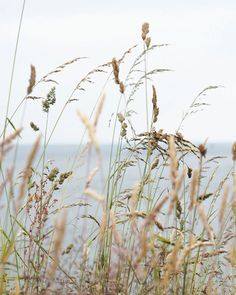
(91,129)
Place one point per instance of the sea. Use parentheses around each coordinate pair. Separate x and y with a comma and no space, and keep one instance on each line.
(218,166)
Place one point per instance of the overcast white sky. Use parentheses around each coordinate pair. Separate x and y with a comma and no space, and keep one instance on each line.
(202,51)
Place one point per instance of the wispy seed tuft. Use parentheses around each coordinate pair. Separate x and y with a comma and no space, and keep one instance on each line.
(32,79)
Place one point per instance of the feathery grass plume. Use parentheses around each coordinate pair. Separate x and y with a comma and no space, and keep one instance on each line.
(204,219)
(143,248)
(174,174)
(155,109)
(99,110)
(32,79)
(234,151)
(150,218)
(187,250)
(27,170)
(223,204)
(116,69)
(60,227)
(10,138)
(145,30)
(102,229)
(175,199)
(17,290)
(5,145)
(34,127)
(231,255)
(194,188)
(133,204)
(173,161)
(117,236)
(91,129)
(93,194)
(209,287)
(90,177)
(171,266)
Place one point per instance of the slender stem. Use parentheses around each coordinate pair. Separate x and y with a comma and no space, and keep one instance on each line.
(13,67)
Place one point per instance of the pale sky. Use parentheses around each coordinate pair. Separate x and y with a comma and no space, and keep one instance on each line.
(201,52)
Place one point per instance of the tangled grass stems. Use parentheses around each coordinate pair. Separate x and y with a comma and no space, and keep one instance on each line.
(143,239)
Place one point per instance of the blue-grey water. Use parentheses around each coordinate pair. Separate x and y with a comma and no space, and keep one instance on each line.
(72,158)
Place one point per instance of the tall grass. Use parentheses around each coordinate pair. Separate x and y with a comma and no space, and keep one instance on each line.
(165,234)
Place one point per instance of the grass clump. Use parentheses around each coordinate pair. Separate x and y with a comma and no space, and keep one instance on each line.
(164,234)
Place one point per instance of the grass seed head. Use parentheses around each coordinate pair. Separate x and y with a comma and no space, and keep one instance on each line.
(145,30)
(34,126)
(202,149)
(116,69)
(32,79)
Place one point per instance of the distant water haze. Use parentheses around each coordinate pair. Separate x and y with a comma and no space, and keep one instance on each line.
(66,157)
